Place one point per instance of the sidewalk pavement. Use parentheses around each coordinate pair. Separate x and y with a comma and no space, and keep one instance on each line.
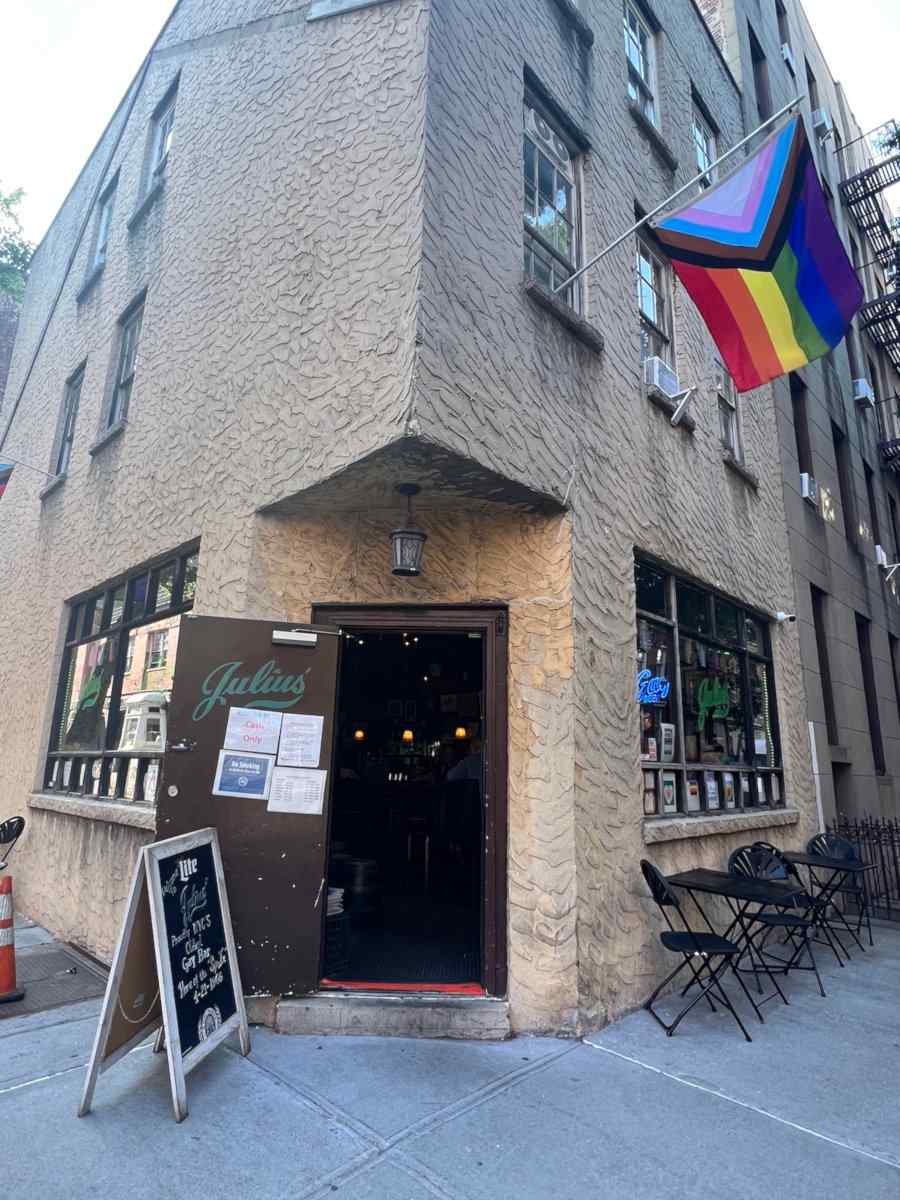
(810,1109)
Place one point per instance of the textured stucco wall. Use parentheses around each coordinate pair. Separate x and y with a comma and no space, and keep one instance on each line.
(281,267)
(513,387)
(77,882)
(486,553)
(336,262)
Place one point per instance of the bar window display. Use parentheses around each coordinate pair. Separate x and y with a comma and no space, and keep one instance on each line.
(109,729)
(708,715)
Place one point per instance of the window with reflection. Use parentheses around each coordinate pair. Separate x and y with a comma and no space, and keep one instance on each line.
(551,203)
(705,691)
(109,730)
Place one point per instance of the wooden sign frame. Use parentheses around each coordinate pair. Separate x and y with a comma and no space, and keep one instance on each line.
(162,1014)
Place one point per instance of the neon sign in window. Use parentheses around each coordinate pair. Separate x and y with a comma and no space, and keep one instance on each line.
(652,689)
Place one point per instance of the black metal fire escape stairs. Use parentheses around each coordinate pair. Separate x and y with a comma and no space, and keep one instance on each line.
(862,195)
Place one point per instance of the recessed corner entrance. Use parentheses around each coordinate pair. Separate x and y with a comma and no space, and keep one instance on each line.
(417,838)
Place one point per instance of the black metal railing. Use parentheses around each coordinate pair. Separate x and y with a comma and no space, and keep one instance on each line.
(877,841)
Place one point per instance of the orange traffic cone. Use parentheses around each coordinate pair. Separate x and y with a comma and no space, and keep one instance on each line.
(8,989)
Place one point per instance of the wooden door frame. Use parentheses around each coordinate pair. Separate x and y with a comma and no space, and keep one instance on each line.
(491,621)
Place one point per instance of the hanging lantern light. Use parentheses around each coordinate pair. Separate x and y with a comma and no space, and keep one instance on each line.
(359,735)
(407,736)
(408,543)
(460,733)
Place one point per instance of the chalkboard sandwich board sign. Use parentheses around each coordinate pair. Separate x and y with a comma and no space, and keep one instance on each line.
(175,969)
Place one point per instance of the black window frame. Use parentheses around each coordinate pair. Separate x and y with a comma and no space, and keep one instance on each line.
(112,611)
(762,86)
(874,521)
(895,531)
(770,779)
(867,666)
(819,599)
(844,468)
(800,416)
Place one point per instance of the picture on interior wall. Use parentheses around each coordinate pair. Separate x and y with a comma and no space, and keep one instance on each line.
(669,792)
(649,793)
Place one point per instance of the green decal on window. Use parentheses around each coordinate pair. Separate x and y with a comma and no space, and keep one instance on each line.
(712,700)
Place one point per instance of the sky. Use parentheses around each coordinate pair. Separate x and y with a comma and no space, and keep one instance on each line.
(73,59)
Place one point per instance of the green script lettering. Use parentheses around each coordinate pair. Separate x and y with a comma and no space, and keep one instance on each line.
(266,682)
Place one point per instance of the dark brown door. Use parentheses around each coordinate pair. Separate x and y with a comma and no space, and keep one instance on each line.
(274,860)
(492,624)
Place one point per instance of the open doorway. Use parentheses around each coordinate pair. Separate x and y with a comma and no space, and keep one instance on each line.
(411,885)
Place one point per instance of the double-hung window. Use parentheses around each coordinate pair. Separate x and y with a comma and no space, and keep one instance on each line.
(704,146)
(109,726)
(551,205)
(654,290)
(729,419)
(104,222)
(706,695)
(129,337)
(161,135)
(760,76)
(640,51)
(71,400)
(157,649)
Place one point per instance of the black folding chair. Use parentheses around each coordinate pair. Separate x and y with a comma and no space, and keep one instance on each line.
(698,950)
(764,861)
(10,832)
(830,845)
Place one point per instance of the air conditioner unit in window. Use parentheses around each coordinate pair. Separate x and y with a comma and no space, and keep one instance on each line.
(863,393)
(809,489)
(660,376)
(880,557)
(822,125)
(788,55)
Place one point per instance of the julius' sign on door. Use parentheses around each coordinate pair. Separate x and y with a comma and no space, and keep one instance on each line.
(253,729)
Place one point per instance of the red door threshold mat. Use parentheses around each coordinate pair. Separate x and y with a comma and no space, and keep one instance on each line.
(357,985)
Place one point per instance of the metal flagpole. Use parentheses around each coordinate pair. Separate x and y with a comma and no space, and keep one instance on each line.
(17,462)
(650,215)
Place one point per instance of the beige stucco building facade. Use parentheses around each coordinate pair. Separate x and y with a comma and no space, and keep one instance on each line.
(326,249)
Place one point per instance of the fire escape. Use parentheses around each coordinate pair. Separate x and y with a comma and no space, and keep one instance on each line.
(879,318)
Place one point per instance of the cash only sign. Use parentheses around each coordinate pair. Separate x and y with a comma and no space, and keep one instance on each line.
(175,968)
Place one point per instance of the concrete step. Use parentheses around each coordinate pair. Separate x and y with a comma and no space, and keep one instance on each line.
(387,1015)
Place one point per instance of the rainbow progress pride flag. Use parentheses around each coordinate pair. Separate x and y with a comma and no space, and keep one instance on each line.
(6,469)
(760,257)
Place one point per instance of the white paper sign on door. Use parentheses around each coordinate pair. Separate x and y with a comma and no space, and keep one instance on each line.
(252,730)
(301,740)
(296,790)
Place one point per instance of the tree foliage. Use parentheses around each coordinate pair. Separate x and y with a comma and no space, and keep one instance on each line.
(15,249)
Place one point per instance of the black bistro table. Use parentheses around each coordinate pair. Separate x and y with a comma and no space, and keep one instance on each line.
(841,874)
(741,895)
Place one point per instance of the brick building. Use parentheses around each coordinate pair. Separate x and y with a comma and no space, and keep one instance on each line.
(838,426)
(298,283)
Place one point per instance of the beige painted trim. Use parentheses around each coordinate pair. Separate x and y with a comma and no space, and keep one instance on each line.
(136,815)
(694,827)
